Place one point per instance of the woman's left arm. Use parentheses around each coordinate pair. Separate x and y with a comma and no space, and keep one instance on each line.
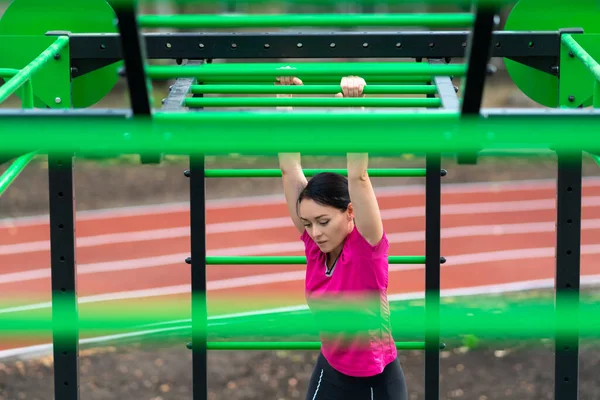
(362,196)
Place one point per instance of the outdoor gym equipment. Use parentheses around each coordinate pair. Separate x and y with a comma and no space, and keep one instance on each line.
(67,55)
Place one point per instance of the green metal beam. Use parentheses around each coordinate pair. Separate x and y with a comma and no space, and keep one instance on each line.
(14,170)
(273,70)
(310,102)
(581,55)
(305,20)
(309,89)
(26,73)
(314,133)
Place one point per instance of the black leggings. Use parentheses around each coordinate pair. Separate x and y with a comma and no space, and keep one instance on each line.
(327,383)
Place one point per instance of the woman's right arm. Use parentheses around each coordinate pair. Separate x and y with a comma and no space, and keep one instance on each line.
(294,182)
(293,177)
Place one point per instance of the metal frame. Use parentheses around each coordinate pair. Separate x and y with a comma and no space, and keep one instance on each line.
(89,52)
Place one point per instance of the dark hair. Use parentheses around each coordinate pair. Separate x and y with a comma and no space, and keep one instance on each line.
(328,189)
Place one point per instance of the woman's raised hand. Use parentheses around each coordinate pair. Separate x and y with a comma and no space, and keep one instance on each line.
(352,86)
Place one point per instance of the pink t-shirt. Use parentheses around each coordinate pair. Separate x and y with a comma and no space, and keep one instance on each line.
(360,274)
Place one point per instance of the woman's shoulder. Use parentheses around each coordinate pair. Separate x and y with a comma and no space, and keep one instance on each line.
(360,245)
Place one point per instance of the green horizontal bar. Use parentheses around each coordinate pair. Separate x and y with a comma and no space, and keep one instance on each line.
(274,173)
(272,132)
(14,170)
(273,70)
(333,79)
(291,345)
(8,72)
(329,3)
(309,89)
(582,55)
(276,260)
(310,102)
(304,20)
(26,73)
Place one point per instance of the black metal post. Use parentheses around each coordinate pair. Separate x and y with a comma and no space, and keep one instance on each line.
(134,56)
(197,176)
(63,266)
(199,309)
(478,57)
(432,275)
(567,278)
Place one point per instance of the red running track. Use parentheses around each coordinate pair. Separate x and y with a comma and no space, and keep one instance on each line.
(491,235)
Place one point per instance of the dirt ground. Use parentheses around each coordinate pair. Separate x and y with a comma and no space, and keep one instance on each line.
(135,371)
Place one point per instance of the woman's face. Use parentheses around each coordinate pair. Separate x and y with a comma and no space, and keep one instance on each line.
(327,226)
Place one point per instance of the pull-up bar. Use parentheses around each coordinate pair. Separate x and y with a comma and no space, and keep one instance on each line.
(273,70)
(301,20)
(309,89)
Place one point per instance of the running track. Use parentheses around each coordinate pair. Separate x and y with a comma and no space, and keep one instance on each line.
(495,237)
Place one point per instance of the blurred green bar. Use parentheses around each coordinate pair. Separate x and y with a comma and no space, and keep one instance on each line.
(26,73)
(273,70)
(310,102)
(292,345)
(316,3)
(333,79)
(27,100)
(305,20)
(99,132)
(14,170)
(309,89)
(8,72)
(274,173)
(288,260)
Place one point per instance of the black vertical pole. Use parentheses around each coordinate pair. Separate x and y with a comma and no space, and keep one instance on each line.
(432,275)
(63,266)
(199,309)
(567,278)
(198,264)
(478,56)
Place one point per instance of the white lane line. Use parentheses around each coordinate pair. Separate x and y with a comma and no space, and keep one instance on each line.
(295,246)
(42,349)
(264,279)
(243,201)
(283,222)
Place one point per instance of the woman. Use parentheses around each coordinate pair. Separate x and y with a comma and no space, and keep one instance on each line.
(346,248)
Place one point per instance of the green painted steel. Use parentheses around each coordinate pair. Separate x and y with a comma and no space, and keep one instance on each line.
(309,89)
(289,260)
(333,78)
(27,98)
(314,132)
(581,54)
(273,70)
(8,72)
(14,170)
(526,15)
(34,18)
(32,68)
(305,20)
(274,173)
(52,80)
(310,102)
(317,3)
(579,70)
(291,345)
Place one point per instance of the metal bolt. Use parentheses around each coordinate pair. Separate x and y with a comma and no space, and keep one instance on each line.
(57,56)
(571,54)
(571,98)
(57,100)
